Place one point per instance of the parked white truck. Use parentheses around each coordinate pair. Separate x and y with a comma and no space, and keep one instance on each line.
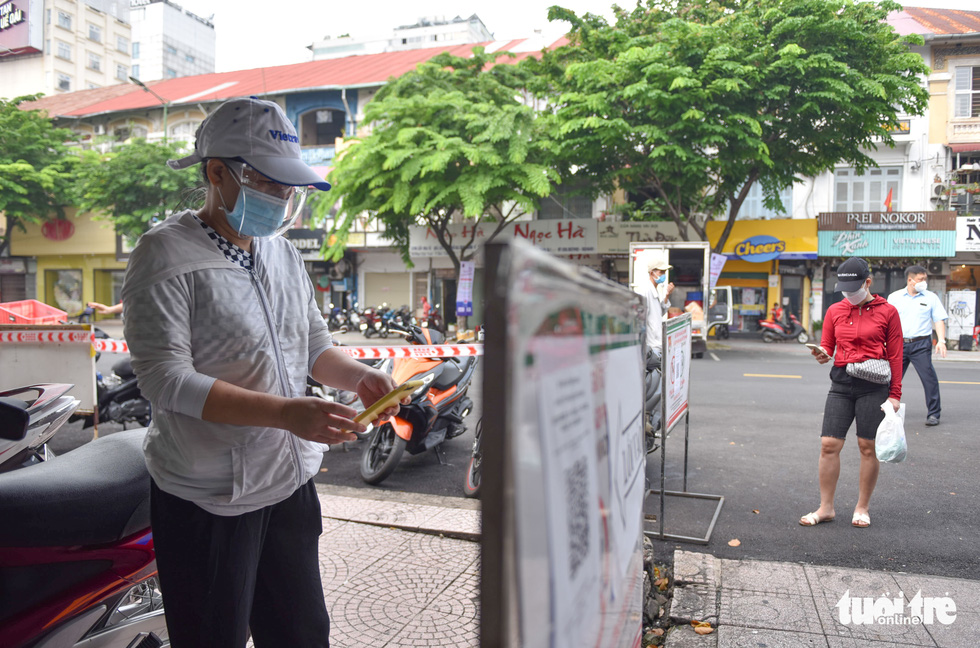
(691,276)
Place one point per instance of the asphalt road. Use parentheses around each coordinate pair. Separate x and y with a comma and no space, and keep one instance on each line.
(754,438)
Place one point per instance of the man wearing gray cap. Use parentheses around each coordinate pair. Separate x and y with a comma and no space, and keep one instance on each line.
(223,329)
(656,301)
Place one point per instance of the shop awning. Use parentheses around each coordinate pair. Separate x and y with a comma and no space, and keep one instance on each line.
(969,147)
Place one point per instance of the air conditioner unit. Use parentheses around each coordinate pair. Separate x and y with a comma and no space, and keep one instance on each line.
(937,189)
(939,268)
(100,129)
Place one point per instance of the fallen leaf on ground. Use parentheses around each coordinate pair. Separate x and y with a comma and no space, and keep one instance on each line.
(734,542)
(952,493)
(732,443)
(756,511)
(657,632)
(704,631)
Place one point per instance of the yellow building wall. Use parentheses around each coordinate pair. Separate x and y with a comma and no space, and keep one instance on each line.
(90,237)
(91,248)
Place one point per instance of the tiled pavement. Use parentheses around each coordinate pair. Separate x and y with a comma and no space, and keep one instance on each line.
(399,574)
(785,605)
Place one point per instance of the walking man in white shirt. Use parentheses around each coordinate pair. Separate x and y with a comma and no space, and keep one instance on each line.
(920,308)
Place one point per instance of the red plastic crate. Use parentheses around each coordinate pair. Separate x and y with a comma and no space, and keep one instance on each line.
(30,311)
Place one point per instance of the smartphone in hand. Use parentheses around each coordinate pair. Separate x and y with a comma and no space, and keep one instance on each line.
(818,349)
(391,398)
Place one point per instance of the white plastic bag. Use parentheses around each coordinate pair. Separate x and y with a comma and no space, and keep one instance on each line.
(890,443)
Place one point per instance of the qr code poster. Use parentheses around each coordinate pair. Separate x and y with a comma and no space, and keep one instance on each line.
(565,423)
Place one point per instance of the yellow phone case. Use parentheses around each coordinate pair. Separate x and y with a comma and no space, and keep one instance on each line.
(371,414)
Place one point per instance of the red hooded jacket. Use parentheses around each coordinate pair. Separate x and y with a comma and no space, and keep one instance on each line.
(871,330)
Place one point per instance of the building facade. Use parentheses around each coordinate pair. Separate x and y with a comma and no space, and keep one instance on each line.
(426,33)
(169,41)
(59,46)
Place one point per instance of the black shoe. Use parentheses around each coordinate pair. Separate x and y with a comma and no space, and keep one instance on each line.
(932,420)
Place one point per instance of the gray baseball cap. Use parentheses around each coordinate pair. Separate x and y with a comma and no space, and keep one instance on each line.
(258,132)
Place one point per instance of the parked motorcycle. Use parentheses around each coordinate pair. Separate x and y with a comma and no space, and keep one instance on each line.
(776,328)
(35,413)
(435,414)
(119,398)
(76,551)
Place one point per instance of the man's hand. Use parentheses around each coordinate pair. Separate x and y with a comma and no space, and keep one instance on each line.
(941,348)
(669,288)
(375,384)
(315,419)
(894,402)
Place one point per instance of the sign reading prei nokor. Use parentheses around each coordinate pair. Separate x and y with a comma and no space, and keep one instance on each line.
(887,234)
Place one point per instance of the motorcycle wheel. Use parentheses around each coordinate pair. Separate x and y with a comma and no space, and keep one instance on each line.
(474,471)
(381,455)
(802,338)
(768,337)
(383,332)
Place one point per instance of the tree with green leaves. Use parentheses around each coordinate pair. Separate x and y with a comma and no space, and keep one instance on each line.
(691,103)
(453,140)
(34,166)
(132,186)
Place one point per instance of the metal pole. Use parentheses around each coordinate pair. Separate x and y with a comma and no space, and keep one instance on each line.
(687,434)
(165,122)
(663,424)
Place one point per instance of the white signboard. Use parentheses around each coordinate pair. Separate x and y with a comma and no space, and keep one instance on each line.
(968,234)
(615,237)
(961,307)
(565,423)
(464,293)
(717,264)
(572,236)
(677,366)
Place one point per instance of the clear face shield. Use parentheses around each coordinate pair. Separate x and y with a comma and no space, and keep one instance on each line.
(265,208)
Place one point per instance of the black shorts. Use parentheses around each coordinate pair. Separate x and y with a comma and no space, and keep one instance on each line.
(853,400)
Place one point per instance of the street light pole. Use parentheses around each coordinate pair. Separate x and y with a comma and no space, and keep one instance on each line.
(166,104)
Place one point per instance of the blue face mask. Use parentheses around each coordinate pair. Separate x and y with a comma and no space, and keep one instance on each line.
(256,213)
(662,278)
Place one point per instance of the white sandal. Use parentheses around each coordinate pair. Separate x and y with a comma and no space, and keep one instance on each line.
(812,519)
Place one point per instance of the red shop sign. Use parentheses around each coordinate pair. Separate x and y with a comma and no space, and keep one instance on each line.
(58,230)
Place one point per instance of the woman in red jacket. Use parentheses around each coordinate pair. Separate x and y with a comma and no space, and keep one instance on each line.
(860,327)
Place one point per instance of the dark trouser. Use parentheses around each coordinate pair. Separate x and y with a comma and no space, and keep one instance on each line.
(919,353)
(222,575)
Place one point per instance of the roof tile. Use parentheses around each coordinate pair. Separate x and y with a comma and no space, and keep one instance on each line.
(363,70)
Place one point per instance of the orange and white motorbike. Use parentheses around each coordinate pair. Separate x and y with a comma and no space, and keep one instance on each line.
(436,413)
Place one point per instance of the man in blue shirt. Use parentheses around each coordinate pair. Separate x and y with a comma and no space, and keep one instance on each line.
(919,309)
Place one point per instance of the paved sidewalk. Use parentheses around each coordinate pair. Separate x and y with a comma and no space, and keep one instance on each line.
(397,573)
(785,605)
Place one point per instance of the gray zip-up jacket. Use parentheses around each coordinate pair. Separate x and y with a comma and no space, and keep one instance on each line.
(193,316)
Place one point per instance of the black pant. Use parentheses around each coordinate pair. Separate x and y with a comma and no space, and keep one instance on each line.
(221,575)
(919,353)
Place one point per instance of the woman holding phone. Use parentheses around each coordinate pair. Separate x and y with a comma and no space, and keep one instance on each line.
(858,328)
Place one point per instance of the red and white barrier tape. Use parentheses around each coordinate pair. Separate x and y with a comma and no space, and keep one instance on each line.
(110,346)
(40,337)
(360,353)
(63,337)
(413,351)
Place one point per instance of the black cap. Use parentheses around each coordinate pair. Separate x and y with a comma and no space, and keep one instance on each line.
(851,274)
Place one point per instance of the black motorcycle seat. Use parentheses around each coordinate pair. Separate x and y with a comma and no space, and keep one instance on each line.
(453,368)
(95,494)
